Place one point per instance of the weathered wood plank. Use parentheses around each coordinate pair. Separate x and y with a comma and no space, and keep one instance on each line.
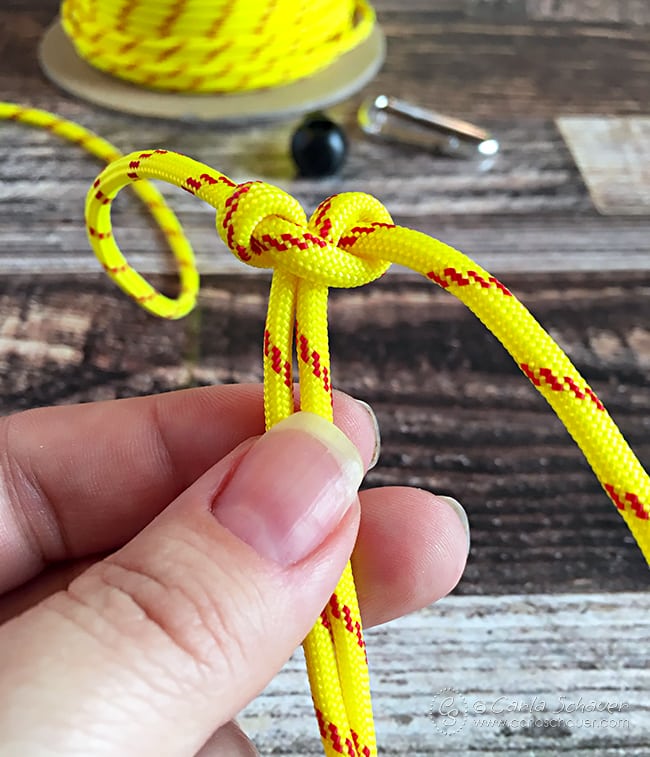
(528,211)
(537,652)
(534,173)
(613,155)
(609,12)
(505,247)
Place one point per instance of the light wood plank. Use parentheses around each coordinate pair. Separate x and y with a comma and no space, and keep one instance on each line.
(516,651)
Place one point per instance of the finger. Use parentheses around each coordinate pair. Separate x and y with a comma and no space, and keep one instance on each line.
(154,648)
(411,551)
(54,578)
(84,479)
(229,741)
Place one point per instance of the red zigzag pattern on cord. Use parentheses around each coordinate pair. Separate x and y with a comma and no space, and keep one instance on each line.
(135,164)
(546,377)
(289,241)
(344,613)
(355,234)
(330,732)
(636,506)
(452,276)
(232,203)
(324,225)
(193,185)
(312,358)
(281,366)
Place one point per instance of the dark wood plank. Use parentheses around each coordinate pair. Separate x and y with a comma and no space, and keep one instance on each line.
(527,211)
(457,416)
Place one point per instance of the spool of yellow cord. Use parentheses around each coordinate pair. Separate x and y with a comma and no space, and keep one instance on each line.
(213,59)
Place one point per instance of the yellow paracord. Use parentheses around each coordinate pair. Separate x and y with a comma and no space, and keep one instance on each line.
(349,240)
(214,45)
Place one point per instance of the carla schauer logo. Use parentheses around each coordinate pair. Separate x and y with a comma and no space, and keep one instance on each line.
(448,711)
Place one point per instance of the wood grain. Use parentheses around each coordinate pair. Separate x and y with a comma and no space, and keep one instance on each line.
(613,154)
(521,651)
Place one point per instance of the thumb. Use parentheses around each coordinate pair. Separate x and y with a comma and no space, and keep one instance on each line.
(152,649)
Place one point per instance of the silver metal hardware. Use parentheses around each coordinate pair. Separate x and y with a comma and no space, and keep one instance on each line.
(398,121)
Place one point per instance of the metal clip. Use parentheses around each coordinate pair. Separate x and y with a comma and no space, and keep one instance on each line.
(398,121)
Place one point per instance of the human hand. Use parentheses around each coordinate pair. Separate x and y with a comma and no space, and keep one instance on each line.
(172,562)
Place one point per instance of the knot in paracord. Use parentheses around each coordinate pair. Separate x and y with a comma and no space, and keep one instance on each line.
(267,228)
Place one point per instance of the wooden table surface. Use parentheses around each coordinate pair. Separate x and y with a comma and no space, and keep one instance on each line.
(554,601)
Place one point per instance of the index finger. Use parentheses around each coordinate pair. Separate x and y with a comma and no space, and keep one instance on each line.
(83,479)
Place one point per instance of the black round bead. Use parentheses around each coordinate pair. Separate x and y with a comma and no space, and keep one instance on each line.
(319,146)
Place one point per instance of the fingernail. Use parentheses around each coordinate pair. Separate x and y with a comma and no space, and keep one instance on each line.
(292,488)
(375,424)
(460,512)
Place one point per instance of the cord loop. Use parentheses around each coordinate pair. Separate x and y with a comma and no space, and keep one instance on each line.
(267,228)
(340,215)
(245,208)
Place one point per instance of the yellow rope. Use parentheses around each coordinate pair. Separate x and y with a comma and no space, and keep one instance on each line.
(350,240)
(214,45)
